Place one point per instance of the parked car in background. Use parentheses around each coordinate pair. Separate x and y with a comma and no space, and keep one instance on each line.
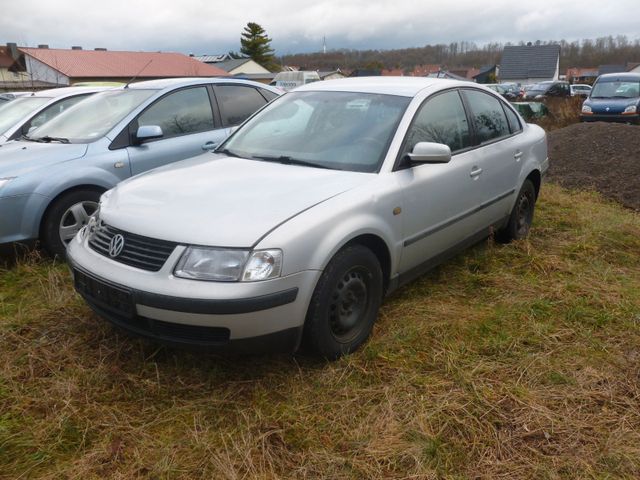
(507,91)
(615,97)
(542,90)
(313,210)
(51,180)
(580,90)
(31,111)
(290,80)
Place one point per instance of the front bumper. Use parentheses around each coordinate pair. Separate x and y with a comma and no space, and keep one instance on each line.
(19,217)
(256,316)
(618,118)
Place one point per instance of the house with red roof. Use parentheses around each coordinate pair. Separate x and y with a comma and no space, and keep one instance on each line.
(55,66)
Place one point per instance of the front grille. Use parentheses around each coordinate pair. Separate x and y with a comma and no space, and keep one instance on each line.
(140,252)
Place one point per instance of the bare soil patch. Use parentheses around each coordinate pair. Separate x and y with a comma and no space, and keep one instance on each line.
(600,156)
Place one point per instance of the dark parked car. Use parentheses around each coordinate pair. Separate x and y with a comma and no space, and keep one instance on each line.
(615,97)
(548,89)
(507,90)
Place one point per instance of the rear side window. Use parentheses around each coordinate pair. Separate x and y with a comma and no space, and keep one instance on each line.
(237,103)
(512,118)
(441,119)
(180,113)
(488,117)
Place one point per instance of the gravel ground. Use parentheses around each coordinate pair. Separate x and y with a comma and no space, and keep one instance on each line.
(600,156)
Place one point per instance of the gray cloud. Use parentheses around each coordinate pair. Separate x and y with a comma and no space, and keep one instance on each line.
(299,26)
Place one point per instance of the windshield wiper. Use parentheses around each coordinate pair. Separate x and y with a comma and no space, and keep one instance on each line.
(27,138)
(48,139)
(286,160)
(228,153)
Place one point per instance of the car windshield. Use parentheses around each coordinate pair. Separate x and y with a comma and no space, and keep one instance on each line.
(336,130)
(11,112)
(540,87)
(616,89)
(93,117)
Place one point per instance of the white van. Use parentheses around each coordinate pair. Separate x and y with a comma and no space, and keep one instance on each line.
(290,80)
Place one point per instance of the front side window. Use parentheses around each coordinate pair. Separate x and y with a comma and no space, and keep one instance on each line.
(237,103)
(488,117)
(337,130)
(180,113)
(440,120)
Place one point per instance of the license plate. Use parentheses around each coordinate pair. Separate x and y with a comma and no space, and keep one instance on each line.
(111,297)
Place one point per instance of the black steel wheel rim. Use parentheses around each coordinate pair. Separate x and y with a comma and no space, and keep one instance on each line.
(348,305)
(524,214)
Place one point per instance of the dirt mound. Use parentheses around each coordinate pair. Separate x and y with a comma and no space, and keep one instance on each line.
(600,156)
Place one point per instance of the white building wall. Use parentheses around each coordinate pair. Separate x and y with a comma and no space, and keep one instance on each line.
(39,71)
(248,67)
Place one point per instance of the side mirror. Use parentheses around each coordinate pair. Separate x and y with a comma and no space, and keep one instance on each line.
(148,132)
(429,152)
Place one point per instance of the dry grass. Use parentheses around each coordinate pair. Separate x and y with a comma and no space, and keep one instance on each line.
(562,113)
(517,361)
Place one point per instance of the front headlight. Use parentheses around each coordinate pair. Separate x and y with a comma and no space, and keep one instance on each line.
(229,265)
(586,109)
(630,109)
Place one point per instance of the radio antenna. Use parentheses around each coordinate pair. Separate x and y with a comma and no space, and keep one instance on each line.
(136,75)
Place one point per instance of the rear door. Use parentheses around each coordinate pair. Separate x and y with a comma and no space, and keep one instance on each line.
(499,144)
(189,127)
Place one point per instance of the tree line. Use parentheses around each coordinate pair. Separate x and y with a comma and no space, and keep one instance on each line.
(579,53)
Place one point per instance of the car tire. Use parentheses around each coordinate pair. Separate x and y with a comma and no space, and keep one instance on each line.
(345,303)
(65,216)
(521,216)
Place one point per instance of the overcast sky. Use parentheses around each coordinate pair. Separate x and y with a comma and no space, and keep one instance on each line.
(296,26)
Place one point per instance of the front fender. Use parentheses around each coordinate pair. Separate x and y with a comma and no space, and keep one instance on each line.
(311,239)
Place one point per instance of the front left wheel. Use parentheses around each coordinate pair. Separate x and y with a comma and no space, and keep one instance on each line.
(345,303)
(65,217)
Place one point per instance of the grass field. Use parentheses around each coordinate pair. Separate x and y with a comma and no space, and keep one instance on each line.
(511,361)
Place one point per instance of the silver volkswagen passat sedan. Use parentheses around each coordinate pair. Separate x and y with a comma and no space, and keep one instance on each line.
(320,204)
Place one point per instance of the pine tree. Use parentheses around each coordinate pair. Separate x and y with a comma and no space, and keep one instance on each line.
(256,44)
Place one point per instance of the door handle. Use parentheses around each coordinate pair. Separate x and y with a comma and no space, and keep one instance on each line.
(517,155)
(475,171)
(209,145)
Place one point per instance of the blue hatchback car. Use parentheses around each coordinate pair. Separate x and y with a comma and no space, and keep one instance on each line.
(51,180)
(615,97)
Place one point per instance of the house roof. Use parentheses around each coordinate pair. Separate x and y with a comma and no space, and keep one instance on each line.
(114,64)
(531,61)
(6,60)
(232,63)
(611,69)
(212,58)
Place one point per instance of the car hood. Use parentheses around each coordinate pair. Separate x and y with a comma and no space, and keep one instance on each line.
(18,158)
(220,201)
(614,105)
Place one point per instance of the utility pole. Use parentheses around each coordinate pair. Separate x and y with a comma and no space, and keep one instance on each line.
(324,45)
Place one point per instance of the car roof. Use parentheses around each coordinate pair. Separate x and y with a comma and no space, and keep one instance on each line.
(401,86)
(185,82)
(621,76)
(66,91)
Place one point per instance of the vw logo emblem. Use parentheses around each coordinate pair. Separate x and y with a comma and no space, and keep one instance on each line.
(607,109)
(116,245)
